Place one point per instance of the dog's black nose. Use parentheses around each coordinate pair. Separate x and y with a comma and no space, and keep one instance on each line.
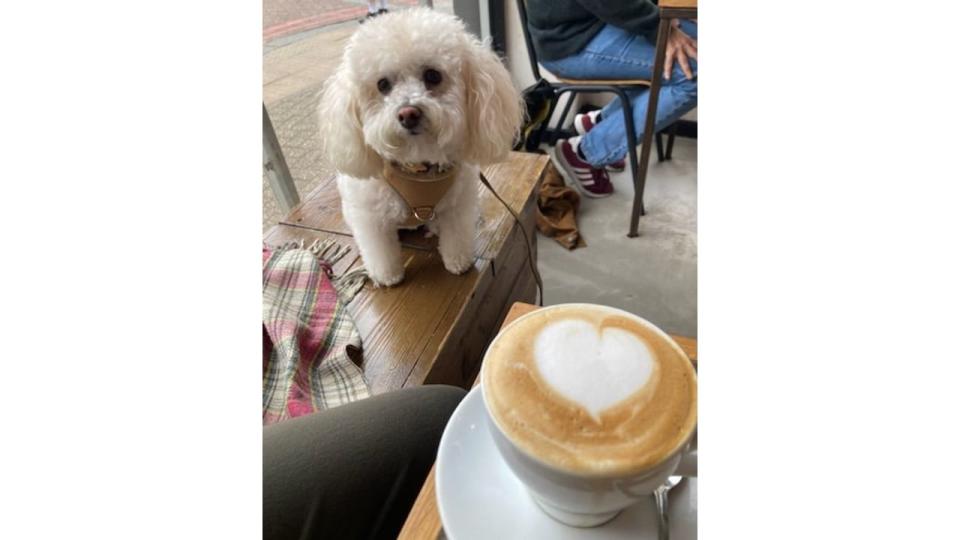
(409,117)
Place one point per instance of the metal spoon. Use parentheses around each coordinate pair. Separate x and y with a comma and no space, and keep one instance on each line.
(660,495)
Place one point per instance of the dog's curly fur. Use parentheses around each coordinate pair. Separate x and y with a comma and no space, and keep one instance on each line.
(471,117)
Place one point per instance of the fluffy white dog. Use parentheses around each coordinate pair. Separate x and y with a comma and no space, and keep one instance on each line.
(414,87)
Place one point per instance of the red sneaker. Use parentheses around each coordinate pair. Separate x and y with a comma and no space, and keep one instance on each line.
(617,166)
(583,123)
(590,181)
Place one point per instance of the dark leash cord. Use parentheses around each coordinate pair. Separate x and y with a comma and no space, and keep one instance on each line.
(526,238)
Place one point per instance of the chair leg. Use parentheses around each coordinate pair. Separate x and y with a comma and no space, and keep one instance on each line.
(566,110)
(672,135)
(659,139)
(648,131)
(637,168)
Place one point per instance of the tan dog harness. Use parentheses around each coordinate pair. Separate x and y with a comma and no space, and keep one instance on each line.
(421,186)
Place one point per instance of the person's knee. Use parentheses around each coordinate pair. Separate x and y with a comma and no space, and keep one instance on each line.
(444,397)
(429,405)
(682,87)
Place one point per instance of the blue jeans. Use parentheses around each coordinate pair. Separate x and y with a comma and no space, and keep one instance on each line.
(618,54)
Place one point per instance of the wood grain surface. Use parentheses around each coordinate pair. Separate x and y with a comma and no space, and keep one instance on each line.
(434,326)
(423,521)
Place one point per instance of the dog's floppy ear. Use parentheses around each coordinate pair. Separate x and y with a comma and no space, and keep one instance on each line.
(493,107)
(341,131)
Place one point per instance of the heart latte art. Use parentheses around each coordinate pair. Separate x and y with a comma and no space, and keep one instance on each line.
(596,368)
(590,389)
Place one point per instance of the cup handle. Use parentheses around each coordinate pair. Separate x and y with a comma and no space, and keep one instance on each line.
(688,464)
(688,460)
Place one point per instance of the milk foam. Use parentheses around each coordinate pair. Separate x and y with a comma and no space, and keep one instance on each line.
(596,368)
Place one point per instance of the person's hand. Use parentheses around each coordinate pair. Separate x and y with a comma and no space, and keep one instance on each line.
(680,47)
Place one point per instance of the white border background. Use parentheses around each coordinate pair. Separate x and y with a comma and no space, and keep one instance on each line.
(828,266)
(829,271)
(131,372)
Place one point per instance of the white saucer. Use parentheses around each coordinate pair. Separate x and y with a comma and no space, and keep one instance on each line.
(480,498)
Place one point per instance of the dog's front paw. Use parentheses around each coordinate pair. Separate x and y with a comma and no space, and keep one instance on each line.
(459,263)
(384,277)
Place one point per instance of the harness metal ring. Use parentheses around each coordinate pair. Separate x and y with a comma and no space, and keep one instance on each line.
(424,213)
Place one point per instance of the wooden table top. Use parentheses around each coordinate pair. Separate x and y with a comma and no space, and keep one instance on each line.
(404,328)
(423,522)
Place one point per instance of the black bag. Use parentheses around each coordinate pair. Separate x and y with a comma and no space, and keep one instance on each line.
(537,100)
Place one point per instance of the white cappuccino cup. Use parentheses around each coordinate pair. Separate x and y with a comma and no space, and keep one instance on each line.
(591,407)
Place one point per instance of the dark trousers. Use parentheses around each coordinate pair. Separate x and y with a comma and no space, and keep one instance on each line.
(353,471)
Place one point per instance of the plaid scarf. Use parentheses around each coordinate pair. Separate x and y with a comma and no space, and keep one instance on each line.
(311,346)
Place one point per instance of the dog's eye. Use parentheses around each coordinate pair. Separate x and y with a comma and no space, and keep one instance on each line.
(432,77)
(383,85)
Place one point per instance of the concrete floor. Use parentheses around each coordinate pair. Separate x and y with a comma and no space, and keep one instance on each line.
(654,275)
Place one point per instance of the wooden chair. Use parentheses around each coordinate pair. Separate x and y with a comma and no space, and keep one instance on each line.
(615,86)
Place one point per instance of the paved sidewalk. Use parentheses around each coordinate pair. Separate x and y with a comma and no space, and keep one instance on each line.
(286,17)
(292,77)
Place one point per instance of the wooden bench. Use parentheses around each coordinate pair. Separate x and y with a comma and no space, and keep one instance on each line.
(434,327)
